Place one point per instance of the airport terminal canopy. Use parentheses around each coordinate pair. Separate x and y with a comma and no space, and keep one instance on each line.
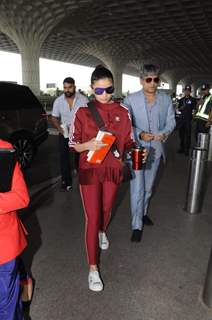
(174,34)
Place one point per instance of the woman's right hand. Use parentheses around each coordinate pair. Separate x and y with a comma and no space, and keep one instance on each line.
(93,145)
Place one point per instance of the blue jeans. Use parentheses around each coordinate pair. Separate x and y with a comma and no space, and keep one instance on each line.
(10,302)
(141,190)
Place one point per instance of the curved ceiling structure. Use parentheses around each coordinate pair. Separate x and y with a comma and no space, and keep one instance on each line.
(174,34)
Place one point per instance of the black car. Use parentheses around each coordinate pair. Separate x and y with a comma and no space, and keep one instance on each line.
(24,120)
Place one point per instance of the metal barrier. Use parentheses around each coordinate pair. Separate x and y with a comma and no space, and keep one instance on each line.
(203,140)
(207,290)
(210,145)
(197,169)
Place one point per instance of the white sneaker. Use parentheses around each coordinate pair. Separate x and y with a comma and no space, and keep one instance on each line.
(94,281)
(103,241)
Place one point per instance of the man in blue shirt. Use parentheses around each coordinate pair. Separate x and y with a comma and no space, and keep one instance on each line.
(64,109)
(153,119)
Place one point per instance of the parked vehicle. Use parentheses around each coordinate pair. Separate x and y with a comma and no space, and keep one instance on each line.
(24,120)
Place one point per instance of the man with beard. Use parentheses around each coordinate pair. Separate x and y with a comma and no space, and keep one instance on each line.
(64,109)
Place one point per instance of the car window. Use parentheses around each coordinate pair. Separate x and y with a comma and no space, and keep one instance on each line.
(29,100)
(6,92)
(13,97)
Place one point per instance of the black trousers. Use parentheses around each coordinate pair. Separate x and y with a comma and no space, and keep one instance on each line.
(185,135)
(68,161)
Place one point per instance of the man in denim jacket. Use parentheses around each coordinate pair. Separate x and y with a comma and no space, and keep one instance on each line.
(153,119)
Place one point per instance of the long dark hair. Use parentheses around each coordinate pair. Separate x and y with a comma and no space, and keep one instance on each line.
(101,72)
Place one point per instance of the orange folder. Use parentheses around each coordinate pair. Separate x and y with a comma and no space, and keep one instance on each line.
(99,155)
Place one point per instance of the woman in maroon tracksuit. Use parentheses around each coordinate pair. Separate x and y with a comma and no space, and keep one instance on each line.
(99,182)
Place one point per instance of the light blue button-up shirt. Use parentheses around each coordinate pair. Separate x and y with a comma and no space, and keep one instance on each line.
(62,110)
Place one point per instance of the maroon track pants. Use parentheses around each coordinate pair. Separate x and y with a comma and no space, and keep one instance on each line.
(97,200)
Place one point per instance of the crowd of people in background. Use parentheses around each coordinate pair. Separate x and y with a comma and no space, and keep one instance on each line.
(192,111)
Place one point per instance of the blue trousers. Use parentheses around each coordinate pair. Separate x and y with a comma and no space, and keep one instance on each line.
(10,302)
(141,190)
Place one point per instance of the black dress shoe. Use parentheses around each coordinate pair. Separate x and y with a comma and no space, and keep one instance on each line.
(136,235)
(147,221)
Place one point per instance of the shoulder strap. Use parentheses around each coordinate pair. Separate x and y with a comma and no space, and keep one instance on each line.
(101,125)
(96,116)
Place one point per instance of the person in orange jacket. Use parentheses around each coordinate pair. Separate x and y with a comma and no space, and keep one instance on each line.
(12,243)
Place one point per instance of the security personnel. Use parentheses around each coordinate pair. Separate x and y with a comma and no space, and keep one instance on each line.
(186,106)
(204,111)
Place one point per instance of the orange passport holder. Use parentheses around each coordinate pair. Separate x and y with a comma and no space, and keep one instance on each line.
(99,155)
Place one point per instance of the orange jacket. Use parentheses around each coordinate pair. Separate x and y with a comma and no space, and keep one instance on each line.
(12,238)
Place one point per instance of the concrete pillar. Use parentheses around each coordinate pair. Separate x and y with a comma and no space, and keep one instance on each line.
(29,47)
(30,66)
(118,82)
(173,85)
(117,71)
(195,88)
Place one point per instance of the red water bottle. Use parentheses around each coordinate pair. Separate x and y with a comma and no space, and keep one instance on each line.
(137,157)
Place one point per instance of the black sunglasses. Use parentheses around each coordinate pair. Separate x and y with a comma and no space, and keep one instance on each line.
(150,79)
(108,90)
